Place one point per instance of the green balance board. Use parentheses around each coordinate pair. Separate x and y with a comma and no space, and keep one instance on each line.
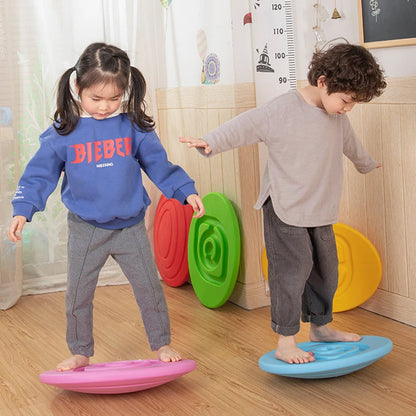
(214,251)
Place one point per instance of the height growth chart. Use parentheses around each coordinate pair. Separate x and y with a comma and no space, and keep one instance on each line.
(273,40)
(274,48)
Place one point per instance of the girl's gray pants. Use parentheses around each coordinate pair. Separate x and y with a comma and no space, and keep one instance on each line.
(88,249)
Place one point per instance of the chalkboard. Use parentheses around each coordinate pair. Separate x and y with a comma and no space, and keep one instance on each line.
(386,23)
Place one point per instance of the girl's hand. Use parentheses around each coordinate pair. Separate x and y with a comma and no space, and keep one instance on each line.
(15,229)
(196,203)
(196,143)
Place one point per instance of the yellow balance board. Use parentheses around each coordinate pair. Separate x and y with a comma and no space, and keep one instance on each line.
(359,268)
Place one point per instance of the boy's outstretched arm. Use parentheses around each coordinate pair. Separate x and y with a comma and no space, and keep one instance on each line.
(15,229)
(199,143)
(196,203)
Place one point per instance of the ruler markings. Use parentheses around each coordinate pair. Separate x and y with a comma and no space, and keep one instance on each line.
(273,40)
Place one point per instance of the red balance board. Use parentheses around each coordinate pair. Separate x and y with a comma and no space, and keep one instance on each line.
(118,376)
(170,236)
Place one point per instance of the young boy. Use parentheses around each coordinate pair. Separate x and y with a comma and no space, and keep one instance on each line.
(306,133)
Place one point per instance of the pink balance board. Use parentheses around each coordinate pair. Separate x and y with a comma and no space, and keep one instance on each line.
(118,376)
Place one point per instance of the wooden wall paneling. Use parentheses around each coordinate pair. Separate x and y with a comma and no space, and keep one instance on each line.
(180,98)
(229,162)
(398,91)
(343,215)
(396,296)
(250,289)
(376,230)
(238,97)
(193,111)
(195,125)
(171,125)
(396,267)
(356,181)
(190,122)
(231,182)
(408,129)
(217,178)
(161,126)
(234,174)
(174,126)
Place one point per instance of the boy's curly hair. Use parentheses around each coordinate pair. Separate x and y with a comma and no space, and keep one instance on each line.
(348,68)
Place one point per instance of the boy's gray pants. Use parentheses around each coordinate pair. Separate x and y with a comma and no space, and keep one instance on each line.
(302,272)
(88,249)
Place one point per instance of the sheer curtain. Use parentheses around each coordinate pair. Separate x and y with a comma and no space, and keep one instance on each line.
(39,40)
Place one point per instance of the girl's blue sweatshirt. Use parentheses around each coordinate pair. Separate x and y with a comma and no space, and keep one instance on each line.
(102,162)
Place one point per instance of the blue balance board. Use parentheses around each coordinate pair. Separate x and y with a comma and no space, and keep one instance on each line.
(332,359)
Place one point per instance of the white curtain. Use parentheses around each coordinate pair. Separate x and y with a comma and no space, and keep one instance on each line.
(39,40)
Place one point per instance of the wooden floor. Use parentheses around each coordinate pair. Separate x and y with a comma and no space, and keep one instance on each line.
(226,343)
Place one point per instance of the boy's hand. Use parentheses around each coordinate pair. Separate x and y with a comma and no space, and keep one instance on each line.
(196,143)
(15,229)
(196,203)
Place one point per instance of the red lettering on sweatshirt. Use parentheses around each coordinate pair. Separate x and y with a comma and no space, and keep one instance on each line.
(97,151)
(127,145)
(119,146)
(108,149)
(79,153)
(89,152)
(101,149)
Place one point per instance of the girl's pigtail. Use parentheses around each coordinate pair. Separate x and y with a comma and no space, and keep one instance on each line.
(136,104)
(67,113)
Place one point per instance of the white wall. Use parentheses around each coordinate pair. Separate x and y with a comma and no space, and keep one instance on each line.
(183,20)
(391,59)
(222,22)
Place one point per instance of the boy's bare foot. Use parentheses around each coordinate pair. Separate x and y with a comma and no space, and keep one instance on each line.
(73,362)
(326,334)
(167,354)
(289,352)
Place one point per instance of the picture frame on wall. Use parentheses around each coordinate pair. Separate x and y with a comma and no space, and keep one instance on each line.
(386,23)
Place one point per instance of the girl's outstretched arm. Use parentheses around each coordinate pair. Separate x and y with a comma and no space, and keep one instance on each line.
(15,229)
(199,143)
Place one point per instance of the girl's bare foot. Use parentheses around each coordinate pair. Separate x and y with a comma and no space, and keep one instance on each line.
(289,352)
(167,354)
(326,334)
(73,362)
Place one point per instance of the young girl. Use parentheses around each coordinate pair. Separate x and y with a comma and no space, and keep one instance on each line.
(306,133)
(101,144)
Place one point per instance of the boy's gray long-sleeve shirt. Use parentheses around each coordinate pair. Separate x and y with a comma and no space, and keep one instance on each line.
(304,171)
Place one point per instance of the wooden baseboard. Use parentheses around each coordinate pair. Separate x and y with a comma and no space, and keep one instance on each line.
(250,296)
(393,306)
